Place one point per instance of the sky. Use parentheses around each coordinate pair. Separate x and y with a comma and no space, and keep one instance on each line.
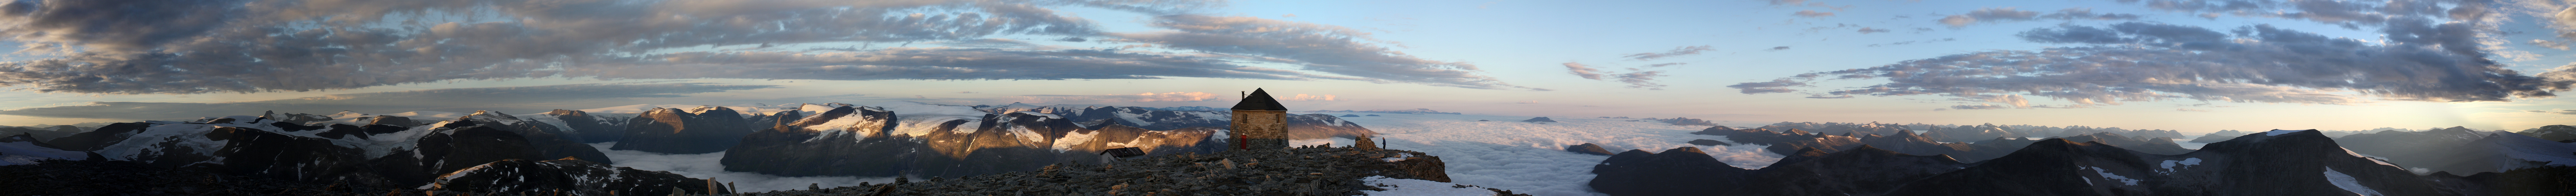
(2188,65)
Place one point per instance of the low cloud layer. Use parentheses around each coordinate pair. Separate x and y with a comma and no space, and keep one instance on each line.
(2422,60)
(526,99)
(176,46)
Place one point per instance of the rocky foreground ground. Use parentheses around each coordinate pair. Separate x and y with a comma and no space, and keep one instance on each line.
(69,177)
(1309,170)
(1295,171)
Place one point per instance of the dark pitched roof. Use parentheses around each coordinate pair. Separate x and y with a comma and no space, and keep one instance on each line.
(1259,101)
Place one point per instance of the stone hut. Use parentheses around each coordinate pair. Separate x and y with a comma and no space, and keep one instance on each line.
(1260,122)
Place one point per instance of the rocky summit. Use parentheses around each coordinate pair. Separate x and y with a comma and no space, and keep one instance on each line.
(1864,170)
(1679,171)
(1588,148)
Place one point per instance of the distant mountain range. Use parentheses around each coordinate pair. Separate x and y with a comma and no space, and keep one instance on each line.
(504,151)
(2278,162)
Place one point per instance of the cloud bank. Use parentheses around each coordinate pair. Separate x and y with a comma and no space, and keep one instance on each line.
(1139,97)
(190,46)
(2422,60)
(525,99)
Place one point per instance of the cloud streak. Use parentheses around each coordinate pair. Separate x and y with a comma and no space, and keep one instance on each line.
(1635,78)
(1582,70)
(1641,79)
(1317,47)
(1812,14)
(1139,97)
(2007,14)
(1677,51)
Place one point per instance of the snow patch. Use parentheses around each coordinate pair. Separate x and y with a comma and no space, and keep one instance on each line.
(1395,186)
(2277,132)
(428,115)
(922,118)
(910,109)
(2186,163)
(1399,157)
(1073,139)
(2114,177)
(2348,184)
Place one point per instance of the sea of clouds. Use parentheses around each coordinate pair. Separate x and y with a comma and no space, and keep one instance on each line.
(1528,157)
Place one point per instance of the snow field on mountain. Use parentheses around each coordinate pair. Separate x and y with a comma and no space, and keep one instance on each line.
(710,165)
(1530,157)
(22,153)
(2526,148)
(2347,183)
